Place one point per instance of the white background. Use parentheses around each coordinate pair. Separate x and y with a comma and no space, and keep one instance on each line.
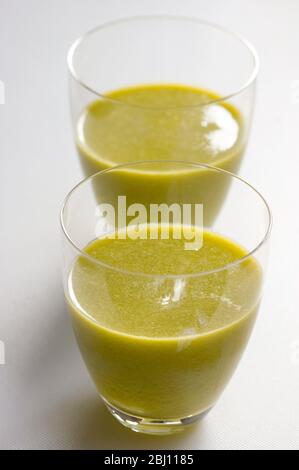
(47,400)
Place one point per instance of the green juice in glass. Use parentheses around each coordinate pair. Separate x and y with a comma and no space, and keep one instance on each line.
(162,122)
(163,344)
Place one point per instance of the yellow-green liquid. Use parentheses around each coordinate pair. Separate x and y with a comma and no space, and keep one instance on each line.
(163,347)
(160,122)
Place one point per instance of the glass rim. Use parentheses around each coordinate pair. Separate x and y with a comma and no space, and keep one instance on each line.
(87,256)
(248,82)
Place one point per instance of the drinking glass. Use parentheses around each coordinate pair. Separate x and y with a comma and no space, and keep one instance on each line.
(113,127)
(162,321)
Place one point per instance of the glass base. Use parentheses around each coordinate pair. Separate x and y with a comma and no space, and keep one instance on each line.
(154,426)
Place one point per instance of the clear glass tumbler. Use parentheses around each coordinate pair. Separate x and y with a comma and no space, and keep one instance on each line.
(163,304)
(161,87)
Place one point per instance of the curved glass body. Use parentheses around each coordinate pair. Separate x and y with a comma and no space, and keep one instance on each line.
(161,88)
(162,308)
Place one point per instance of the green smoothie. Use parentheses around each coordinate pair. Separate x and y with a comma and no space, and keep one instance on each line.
(160,122)
(163,343)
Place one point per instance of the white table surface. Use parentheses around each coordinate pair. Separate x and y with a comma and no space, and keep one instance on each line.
(47,400)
